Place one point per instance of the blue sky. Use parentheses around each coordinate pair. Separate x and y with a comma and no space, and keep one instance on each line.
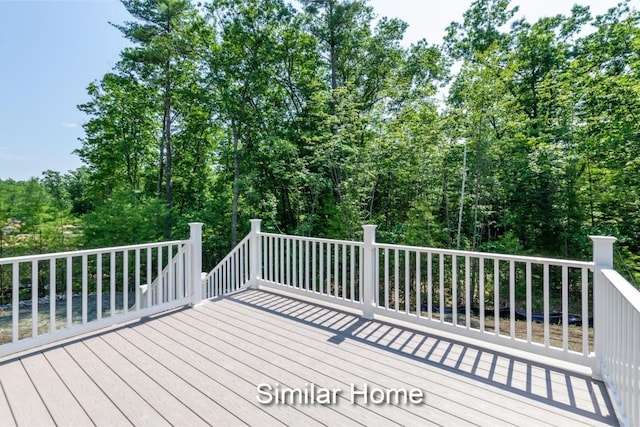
(50,50)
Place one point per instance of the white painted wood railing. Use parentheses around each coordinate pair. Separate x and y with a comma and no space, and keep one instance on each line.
(328,269)
(230,274)
(166,284)
(524,302)
(617,326)
(540,305)
(56,296)
(544,306)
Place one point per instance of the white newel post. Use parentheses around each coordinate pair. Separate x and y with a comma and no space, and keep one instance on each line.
(369,287)
(196,262)
(602,258)
(255,250)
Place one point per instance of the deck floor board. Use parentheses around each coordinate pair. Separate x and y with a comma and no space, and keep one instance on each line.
(448,385)
(211,371)
(98,406)
(173,374)
(294,374)
(26,405)
(136,407)
(202,366)
(342,372)
(7,417)
(64,408)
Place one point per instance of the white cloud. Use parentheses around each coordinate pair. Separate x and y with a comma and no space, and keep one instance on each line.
(70,125)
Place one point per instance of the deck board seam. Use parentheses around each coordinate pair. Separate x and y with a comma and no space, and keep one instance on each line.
(207,375)
(407,355)
(255,301)
(317,371)
(233,345)
(172,370)
(67,387)
(287,370)
(228,311)
(265,307)
(216,337)
(37,392)
(320,327)
(15,422)
(97,385)
(152,379)
(188,363)
(555,369)
(320,372)
(207,361)
(126,382)
(86,377)
(371,382)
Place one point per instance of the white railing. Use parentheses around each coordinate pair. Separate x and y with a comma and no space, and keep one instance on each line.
(541,305)
(56,296)
(617,326)
(620,357)
(545,306)
(230,274)
(330,270)
(166,284)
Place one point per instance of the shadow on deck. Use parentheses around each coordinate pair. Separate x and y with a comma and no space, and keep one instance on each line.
(202,366)
(548,385)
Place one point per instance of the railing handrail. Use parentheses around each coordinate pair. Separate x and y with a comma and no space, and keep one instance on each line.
(229,255)
(625,288)
(616,356)
(230,274)
(314,239)
(474,254)
(83,277)
(354,279)
(414,279)
(489,255)
(95,251)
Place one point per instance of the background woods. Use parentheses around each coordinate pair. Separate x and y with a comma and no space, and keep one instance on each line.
(511,136)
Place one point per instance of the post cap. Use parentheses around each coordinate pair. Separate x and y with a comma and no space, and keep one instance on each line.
(603,239)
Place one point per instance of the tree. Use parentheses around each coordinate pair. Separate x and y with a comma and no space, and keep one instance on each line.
(120,135)
(254,76)
(166,38)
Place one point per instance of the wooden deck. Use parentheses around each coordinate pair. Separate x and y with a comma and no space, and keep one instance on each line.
(202,366)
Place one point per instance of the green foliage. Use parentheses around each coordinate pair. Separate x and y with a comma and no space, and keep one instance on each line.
(35,216)
(318,119)
(123,219)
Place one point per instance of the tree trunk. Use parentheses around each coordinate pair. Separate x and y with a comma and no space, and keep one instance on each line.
(236,192)
(464,180)
(335,165)
(166,125)
(332,50)
(161,166)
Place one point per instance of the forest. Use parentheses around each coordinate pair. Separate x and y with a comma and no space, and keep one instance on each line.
(510,136)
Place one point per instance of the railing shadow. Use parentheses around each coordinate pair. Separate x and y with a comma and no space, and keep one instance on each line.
(457,357)
(13,358)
